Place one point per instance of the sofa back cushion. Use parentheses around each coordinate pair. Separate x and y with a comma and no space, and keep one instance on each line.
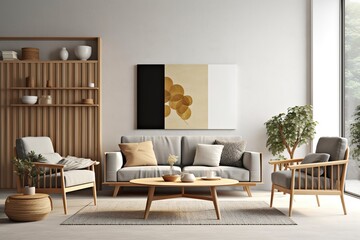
(189,144)
(163,146)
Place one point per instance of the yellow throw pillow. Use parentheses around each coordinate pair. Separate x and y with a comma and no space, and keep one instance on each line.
(138,154)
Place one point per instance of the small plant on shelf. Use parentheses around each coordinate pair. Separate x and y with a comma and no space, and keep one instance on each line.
(289,131)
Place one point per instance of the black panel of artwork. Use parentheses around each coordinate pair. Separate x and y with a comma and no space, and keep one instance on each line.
(150,96)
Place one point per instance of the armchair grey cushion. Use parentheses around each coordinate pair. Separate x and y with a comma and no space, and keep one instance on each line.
(335,146)
(39,145)
(315,158)
(283,179)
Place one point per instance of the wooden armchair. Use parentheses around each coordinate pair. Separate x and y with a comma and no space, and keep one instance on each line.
(325,178)
(51,177)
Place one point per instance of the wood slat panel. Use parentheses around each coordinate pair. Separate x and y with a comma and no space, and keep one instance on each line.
(74,129)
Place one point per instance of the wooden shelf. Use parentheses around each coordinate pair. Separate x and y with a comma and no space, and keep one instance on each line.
(54,88)
(48,61)
(74,127)
(54,105)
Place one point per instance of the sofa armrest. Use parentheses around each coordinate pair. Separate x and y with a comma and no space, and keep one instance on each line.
(113,162)
(253,162)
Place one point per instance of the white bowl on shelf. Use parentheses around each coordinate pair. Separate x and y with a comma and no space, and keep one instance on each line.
(83,52)
(29,99)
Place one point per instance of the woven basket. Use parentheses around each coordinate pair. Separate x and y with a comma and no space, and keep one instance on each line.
(30,53)
(28,208)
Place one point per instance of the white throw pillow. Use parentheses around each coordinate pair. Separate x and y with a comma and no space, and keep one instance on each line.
(52,158)
(208,155)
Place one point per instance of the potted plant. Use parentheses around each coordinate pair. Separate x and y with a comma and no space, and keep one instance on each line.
(291,130)
(26,170)
(355,134)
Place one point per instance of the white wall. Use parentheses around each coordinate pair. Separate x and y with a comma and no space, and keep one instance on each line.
(325,40)
(269,40)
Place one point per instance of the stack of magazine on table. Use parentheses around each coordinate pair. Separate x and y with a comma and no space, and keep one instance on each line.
(9,55)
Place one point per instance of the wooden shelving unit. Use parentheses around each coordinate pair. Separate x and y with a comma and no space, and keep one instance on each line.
(74,128)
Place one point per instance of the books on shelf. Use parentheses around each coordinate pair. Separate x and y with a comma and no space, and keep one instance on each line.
(9,55)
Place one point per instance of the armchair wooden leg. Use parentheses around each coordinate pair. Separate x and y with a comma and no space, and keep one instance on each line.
(318,201)
(116,191)
(247,190)
(272,195)
(291,203)
(94,194)
(343,203)
(64,201)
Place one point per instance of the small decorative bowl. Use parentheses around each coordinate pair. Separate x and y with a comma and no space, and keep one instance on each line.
(170,178)
(83,52)
(29,99)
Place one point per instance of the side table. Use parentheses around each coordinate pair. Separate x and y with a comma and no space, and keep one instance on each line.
(27,208)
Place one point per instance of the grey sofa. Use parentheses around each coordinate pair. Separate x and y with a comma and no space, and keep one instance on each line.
(115,174)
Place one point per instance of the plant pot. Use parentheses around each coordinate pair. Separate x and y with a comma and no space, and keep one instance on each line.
(29,190)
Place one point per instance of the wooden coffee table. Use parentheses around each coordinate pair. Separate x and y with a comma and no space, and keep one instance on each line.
(152,183)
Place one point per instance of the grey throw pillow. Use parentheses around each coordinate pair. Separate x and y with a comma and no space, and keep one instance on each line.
(315,158)
(232,153)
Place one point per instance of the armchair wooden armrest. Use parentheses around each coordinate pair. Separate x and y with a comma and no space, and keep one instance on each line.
(322,164)
(284,163)
(49,165)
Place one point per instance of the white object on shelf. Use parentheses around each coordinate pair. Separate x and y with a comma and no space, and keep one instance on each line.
(91,84)
(83,52)
(64,54)
(29,99)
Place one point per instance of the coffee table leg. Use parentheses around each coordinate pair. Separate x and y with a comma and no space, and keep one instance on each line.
(151,192)
(215,201)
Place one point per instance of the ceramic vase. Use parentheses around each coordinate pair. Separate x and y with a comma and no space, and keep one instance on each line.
(64,54)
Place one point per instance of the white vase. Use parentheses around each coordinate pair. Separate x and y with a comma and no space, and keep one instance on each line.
(64,54)
(83,52)
(29,190)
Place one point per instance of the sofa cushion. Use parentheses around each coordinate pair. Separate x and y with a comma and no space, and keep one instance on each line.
(315,158)
(163,146)
(189,144)
(208,155)
(232,153)
(138,154)
(236,173)
(128,173)
(283,179)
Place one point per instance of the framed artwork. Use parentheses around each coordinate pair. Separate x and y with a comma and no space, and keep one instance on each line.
(187,96)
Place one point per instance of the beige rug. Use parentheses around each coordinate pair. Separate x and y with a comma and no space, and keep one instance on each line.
(170,212)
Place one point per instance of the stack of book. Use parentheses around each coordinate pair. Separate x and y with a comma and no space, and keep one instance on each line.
(9,55)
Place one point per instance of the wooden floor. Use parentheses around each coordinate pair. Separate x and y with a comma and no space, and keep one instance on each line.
(326,222)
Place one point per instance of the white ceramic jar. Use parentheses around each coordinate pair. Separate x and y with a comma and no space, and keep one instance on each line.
(64,54)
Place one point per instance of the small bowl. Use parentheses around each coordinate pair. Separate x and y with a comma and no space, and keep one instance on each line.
(170,178)
(83,52)
(87,101)
(29,99)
